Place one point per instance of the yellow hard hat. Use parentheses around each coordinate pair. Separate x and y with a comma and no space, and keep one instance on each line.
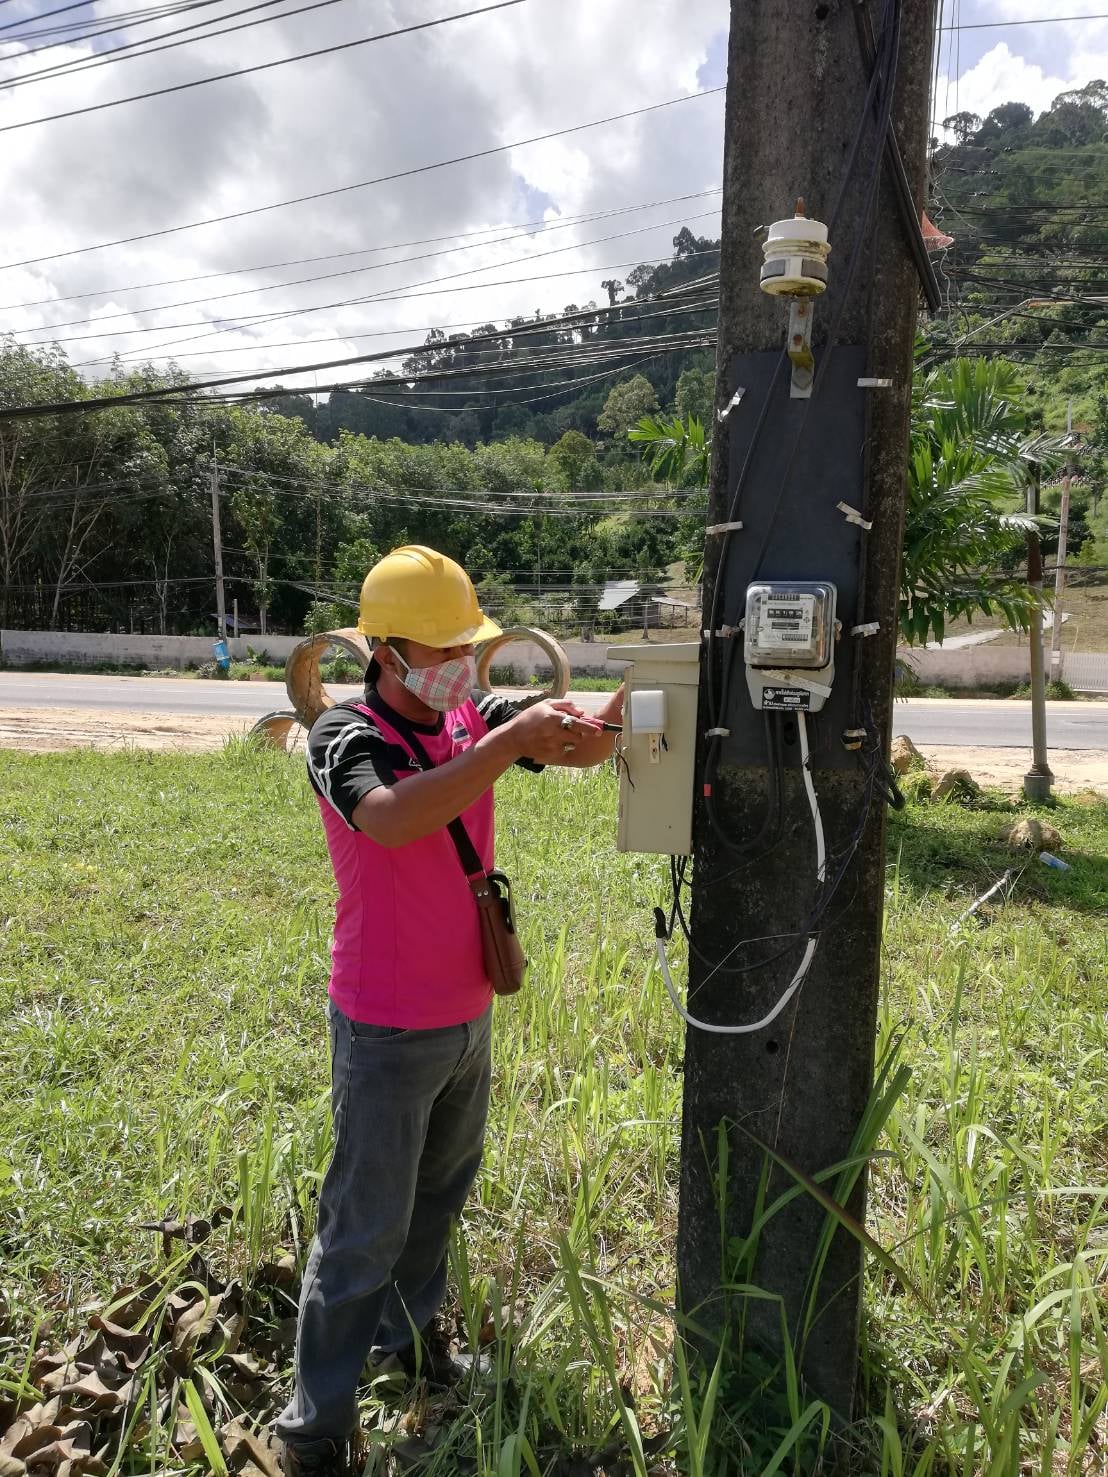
(423,596)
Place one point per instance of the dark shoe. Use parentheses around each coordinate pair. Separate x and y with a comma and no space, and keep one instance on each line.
(435,1360)
(316,1459)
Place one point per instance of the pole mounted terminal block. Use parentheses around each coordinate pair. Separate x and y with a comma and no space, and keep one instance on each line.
(795,268)
(790,644)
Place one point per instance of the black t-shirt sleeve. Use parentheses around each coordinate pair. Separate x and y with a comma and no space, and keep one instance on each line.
(348,757)
(496,711)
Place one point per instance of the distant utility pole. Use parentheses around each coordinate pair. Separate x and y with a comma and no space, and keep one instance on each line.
(217,545)
(1039,778)
(1060,571)
(796,102)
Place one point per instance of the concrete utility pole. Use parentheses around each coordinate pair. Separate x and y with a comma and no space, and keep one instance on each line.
(1039,778)
(796,93)
(217,545)
(1060,571)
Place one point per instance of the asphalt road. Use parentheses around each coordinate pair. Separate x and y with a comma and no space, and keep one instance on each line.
(966,723)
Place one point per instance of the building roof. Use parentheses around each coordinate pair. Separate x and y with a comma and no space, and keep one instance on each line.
(618,592)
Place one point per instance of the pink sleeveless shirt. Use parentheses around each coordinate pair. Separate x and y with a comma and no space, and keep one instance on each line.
(407,948)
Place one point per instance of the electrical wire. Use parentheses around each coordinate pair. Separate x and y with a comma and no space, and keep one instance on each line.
(810,946)
(115,54)
(539,227)
(283,61)
(372,267)
(680,307)
(84,407)
(71,34)
(216,220)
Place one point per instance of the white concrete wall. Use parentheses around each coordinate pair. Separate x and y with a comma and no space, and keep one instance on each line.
(87,648)
(968,666)
(84,648)
(971,666)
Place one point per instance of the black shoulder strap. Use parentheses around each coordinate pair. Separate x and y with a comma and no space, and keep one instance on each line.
(472,865)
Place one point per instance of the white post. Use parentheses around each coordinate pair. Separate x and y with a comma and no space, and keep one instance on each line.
(1060,570)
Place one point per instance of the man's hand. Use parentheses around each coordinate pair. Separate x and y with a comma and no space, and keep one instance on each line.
(551,731)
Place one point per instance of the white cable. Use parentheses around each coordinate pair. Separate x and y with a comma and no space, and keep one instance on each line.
(813,801)
(810,948)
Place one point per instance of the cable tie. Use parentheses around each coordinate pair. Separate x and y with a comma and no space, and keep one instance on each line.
(736,399)
(724,632)
(870,628)
(875,384)
(852,515)
(723,527)
(717,733)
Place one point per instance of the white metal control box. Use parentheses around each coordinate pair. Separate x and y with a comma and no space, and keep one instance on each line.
(657,770)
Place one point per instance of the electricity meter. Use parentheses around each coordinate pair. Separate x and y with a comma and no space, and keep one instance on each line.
(789,633)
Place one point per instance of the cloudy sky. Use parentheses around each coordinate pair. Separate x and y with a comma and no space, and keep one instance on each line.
(427,242)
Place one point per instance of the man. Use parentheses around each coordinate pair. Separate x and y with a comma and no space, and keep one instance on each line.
(410,1003)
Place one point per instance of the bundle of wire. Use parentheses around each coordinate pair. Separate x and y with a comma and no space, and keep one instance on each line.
(877,106)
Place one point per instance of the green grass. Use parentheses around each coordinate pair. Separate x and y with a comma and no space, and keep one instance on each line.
(165,931)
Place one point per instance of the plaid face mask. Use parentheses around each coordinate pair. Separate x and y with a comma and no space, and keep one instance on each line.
(443,687)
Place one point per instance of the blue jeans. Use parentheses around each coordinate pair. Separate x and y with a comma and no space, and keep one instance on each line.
(409,1112)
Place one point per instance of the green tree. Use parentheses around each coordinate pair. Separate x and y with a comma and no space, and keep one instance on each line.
(627,403)
(675,447)
(696,390)
(968,465)
(572,459)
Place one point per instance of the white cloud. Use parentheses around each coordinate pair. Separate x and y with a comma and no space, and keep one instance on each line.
(360,113)
(1004,75)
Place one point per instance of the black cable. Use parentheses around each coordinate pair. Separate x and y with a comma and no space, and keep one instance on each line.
(282,61)
(128,20)
(382,179)
(510,230)
(682,299)
(113,55)
(883,73)
(852,267)
(137,397)
(46,14)
(526,258)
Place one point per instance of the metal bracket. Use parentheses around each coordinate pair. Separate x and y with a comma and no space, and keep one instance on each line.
(799,349)
(736,399)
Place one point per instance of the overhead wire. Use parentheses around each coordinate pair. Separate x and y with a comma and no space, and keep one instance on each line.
(376,267)
(540,226)
(679,305)
(409,173)
(255,319)
(283,61)
(129,52)
(71,33)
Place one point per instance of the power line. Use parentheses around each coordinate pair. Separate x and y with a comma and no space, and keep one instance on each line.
(71,34)
(386,295)
(678,305)
(84,407)
(1036,20)
(541,226)
(46,14)
(283,61)
(358,271)
(382,179)
(106,58)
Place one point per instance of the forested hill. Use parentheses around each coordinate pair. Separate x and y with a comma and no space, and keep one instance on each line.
(667,292)
(1026,200)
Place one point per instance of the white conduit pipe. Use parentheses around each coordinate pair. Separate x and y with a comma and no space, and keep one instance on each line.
(810,948)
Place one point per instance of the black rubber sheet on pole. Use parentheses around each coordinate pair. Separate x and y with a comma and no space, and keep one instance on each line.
(811,539)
